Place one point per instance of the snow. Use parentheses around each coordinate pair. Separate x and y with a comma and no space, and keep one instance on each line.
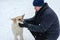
(12,8)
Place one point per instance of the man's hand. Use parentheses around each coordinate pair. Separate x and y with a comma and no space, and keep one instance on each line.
(23,25)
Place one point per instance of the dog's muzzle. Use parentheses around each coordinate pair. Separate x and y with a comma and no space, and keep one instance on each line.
(19,24)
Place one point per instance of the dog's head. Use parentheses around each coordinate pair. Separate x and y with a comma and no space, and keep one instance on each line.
(18,19)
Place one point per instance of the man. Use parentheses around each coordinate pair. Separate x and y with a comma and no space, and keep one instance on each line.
(44,25)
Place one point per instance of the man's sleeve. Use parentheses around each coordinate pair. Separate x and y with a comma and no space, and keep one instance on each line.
(45,24)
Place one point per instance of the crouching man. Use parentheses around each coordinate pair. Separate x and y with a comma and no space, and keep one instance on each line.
(44,25)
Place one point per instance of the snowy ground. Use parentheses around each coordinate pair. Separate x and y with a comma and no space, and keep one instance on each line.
(12,8)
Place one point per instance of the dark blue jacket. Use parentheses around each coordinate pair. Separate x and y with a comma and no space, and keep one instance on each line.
(45,24)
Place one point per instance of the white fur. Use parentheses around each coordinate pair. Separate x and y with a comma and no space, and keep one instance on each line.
(18,31)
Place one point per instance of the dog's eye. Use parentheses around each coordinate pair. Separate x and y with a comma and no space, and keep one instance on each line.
(19,19)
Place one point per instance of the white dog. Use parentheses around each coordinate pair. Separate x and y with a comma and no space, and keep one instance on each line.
(17,30)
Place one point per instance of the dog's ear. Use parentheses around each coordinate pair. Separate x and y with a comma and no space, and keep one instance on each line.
(23,16)
(14,20)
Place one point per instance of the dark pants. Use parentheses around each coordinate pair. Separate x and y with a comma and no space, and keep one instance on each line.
(39,36)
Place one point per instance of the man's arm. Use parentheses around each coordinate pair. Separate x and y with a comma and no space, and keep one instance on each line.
(45,24)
